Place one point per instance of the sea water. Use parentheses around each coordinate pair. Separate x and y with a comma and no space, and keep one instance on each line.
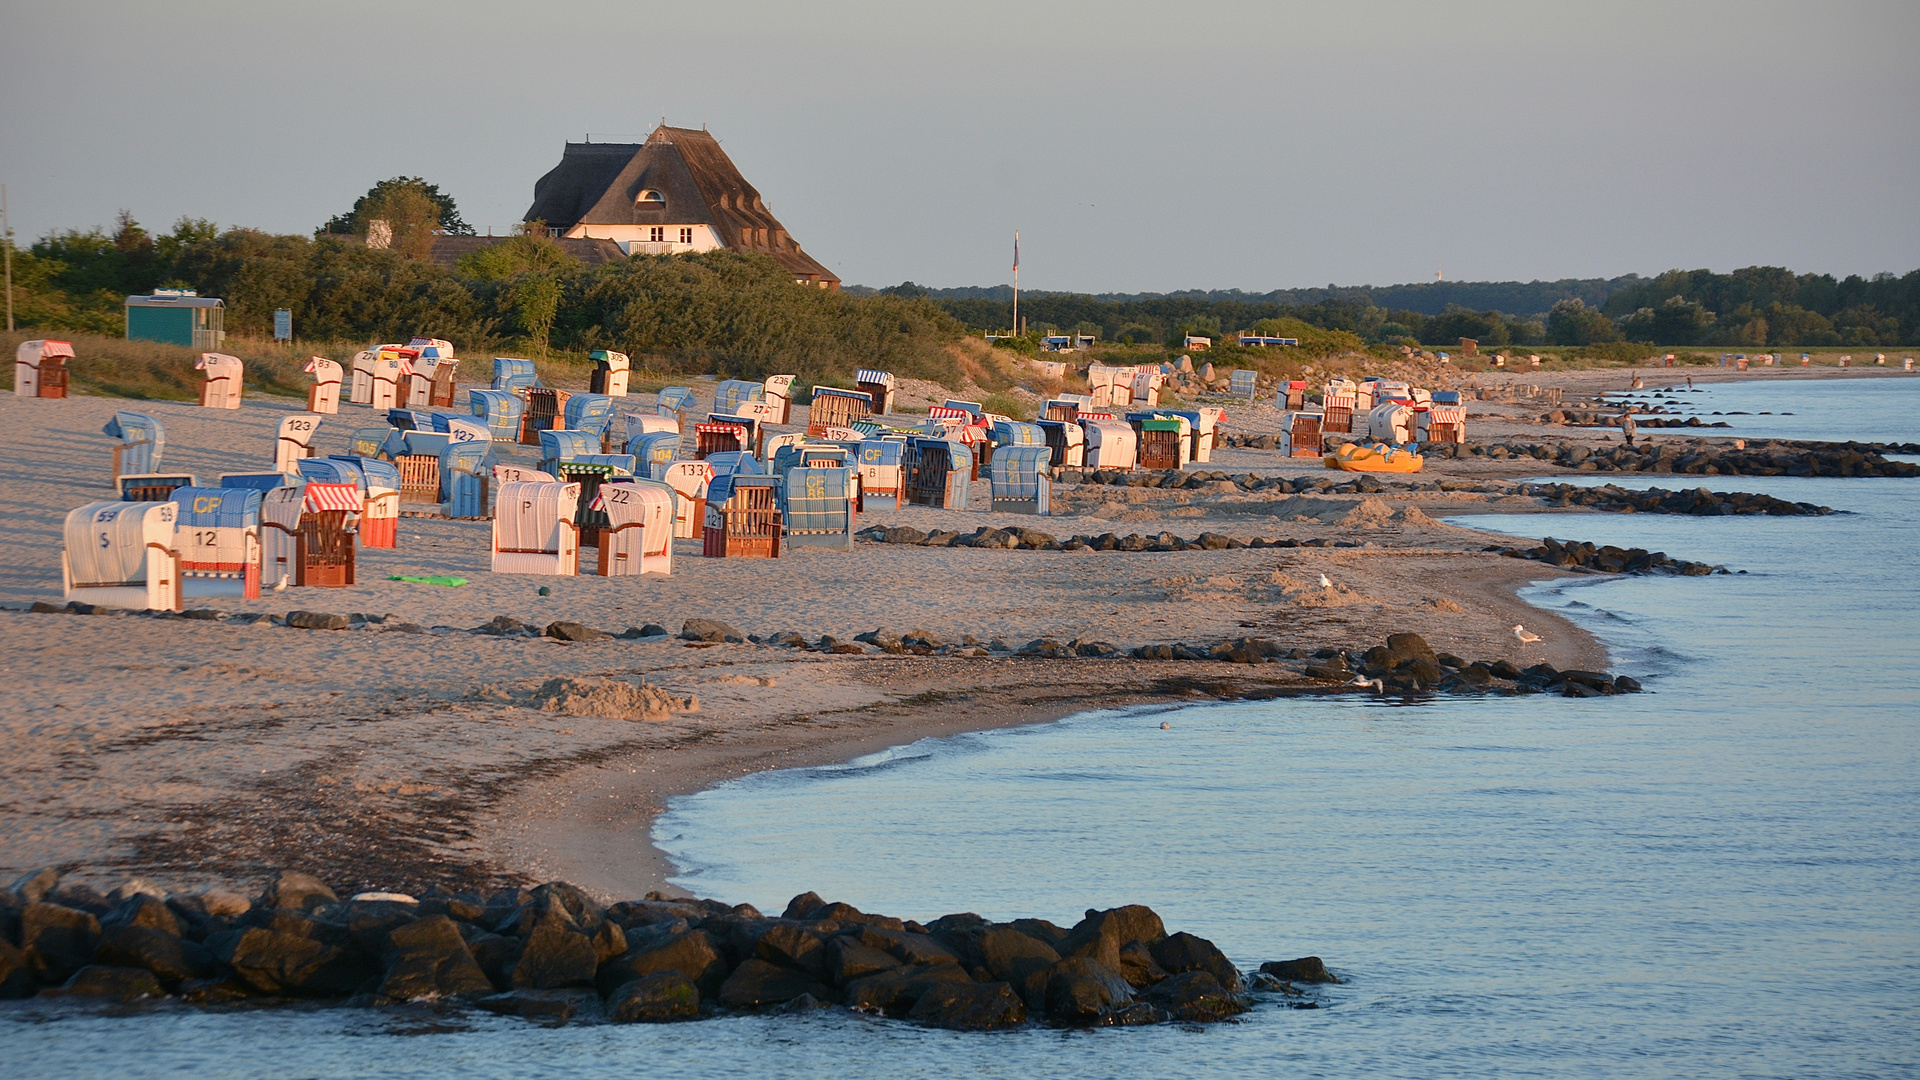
(1719,877)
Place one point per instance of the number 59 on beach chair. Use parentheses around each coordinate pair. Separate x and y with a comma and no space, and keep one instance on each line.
(120,554)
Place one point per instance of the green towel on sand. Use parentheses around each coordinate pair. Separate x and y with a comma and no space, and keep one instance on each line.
(418,579)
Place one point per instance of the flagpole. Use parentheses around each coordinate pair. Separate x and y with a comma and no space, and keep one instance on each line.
(6,227)
(1016,285)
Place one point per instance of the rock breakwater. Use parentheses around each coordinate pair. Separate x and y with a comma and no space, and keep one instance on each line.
(553,954)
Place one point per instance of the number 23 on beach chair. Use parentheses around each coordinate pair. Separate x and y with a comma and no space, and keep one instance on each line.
(221,390)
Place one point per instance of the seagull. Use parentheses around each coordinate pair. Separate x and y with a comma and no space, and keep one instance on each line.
(1379,686)
(281,585)
(1326,582)
(1525,638)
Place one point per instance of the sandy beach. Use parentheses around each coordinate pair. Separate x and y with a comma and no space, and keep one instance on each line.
(411,751)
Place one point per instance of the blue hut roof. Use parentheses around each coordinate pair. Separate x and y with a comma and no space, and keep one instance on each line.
(218,508)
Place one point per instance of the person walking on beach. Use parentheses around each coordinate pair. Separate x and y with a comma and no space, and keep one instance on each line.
(1627,425)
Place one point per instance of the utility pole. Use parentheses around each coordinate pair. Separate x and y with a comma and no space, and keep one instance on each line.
(1016,283)
(6,242)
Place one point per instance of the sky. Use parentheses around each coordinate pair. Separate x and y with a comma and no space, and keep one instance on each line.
(1135,146)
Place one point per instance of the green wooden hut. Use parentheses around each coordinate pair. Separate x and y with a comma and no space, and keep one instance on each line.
(177,317)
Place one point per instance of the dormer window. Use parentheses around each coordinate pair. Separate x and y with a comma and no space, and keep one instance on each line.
(650,198)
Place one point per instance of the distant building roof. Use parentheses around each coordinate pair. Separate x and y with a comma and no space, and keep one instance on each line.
(175,300)
(679,176)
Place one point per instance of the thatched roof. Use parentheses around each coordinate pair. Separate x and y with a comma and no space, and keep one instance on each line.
(696,184)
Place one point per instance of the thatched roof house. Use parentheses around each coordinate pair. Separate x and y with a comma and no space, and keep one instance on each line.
(676,192)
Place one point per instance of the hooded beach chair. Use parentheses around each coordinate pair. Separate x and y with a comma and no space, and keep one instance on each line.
(730,395)
(677,402)
(121,554)
(638,535)
(217,533)
(392,371)
(534,530)
(654,451)
(879,387)
(1067,440)
(689,480)
(280,508)
(380,514)
(1337,408)
(465,468)
(938,472)
(294,440)
(836,408)
(418,461)
(360,387)
(221,389)
(40,369)
(880,472)
(591,413)
(323,396)
(1109,386)
(1005,433)
(1293,394)
(154,487)
(499,410)
(1302,439)
(1391,422)
(610,371)
(1163,441)
(786,439)
(816,507)
(562,445)
(743,518)
(373,442)
(511,373)
(461,428)
(1019,480)
(1145,385)
(1443,423)
(715,437)
(509,474)
(410,419)
(545,408)
(1111,444)
(1244,383)
(433,373)
(777,392)
(142,440)
(633,423)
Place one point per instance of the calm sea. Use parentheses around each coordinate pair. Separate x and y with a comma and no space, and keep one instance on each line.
(1720,877)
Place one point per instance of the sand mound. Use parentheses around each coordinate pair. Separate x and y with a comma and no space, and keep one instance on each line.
(1370,513)
(1413,515)
(610,698)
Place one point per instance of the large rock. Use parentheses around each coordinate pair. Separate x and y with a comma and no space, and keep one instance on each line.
(296,891)
(1195,996)
(1307,969)
(803,906)
(848,959)
(428,959)
(143,910)
(557,955)
(758,983)
(1079,990)
(709,630)
(34,887)
(1138,966)
(1015,956)
(58,940)
(906,946)
(1101,934)
(896,991)
(171,959)
(573,631)
(112,984)
(16,972)
(790,946)
(1185,952)
(694,954)
(317,620)
(496,954)
(969,1007)
(660,998)
(277,961)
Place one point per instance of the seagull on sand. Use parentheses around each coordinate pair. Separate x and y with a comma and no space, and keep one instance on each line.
(281,585)
(1326,582)
(1525,638)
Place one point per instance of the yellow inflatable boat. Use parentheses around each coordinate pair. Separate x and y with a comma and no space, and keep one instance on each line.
(1373,457)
